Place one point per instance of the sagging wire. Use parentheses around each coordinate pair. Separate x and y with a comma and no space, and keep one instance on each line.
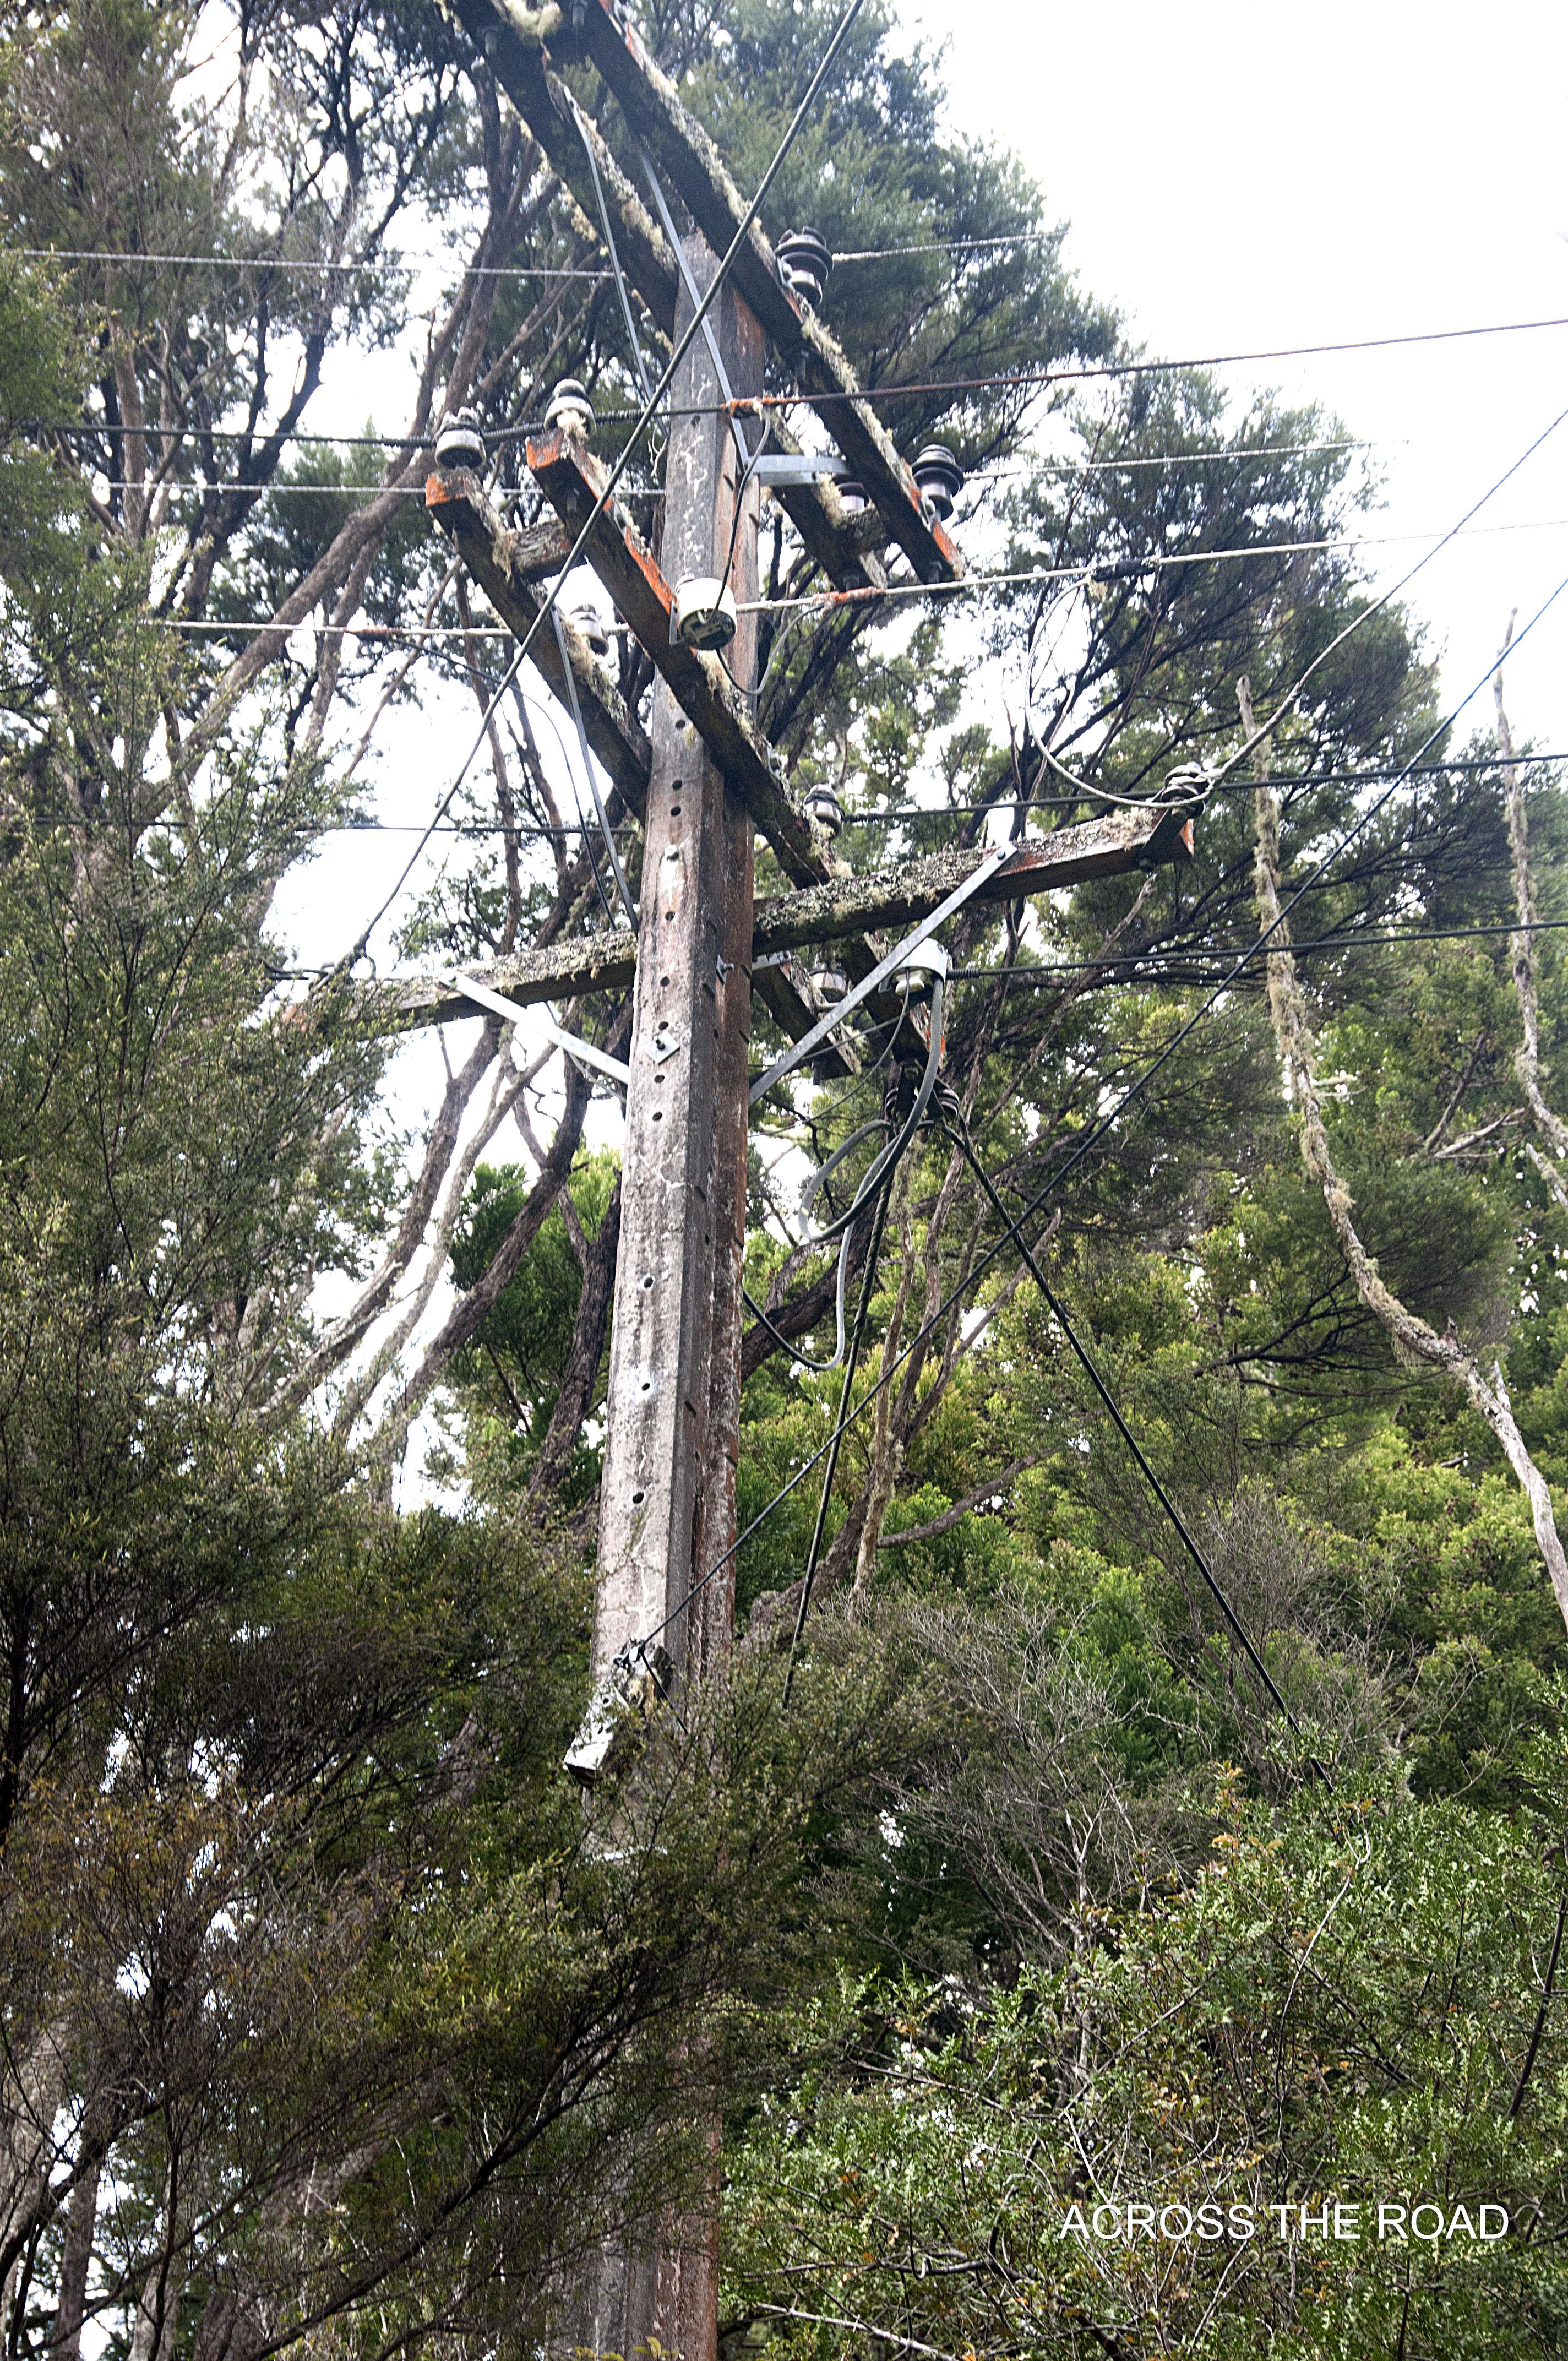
(814,1184)
(621,287)
(884,1172)
(952,1120)
(845,1415)
(846,1249)
(605,830)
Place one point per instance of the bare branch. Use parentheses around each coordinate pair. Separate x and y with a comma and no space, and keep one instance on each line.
(1410,1335)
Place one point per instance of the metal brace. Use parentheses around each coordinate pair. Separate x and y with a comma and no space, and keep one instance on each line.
(582,1053)
(798,468)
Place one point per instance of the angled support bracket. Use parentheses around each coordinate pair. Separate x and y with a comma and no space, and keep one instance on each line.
(582,1053)
(572,482)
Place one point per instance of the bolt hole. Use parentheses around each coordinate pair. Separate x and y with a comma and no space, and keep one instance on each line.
(675,811)
(637,1498)
(647,1278)
(658,1115)
(668,914)
(647,1385)
(663,978)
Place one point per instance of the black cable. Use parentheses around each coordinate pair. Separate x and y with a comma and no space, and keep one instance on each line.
(1231,952)
(841,1425)
(959,1135)
(1098,1130)
(886,1165)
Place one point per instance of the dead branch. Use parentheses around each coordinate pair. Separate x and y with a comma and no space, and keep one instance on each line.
(1527,1058)
(1411,1336)
(580,1375)
(473,1309)
(1002,1481)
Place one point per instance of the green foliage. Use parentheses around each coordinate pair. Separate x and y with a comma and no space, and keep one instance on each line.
(512,1373)
(1343,2005)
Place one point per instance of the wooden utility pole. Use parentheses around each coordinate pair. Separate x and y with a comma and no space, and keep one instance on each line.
(673,1409)
(701,780)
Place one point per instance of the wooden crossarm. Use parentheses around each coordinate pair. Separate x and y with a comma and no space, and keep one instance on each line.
(895,898)
(572,481)
(504,564)
(835,539)
(652,106)
(841,910)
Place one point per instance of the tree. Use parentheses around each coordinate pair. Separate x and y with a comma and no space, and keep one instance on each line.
(321,2009)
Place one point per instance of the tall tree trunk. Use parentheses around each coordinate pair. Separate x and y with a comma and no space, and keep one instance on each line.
(1410,1335)
(75,2262)
(1527,1061)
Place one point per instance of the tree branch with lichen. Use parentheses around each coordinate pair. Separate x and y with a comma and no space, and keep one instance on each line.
(1411,1336)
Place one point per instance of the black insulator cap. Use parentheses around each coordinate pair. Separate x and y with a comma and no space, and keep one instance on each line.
(822,804)
(460,440)
(569,406)
(939,477)
(805,260)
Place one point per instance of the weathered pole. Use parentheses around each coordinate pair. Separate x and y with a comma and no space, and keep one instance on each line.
(667,1495)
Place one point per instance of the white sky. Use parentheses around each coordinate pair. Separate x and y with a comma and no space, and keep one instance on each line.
(1238,178)
(1241,177)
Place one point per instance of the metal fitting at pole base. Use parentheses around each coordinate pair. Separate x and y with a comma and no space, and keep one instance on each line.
(619,1712)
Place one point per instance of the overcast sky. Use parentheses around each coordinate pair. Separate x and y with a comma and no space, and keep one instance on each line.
(1238,177)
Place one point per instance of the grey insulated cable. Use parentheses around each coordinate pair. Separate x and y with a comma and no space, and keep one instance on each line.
(621,886)
(621,287)
(666,377)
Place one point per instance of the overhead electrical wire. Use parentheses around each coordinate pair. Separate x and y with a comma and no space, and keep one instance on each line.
(873,593)
(1077,372)
(1128,569)
(958,1131)
(682,347)
(755,405)
(1099,1129)
(1241,952)
(402,260)
(897,817)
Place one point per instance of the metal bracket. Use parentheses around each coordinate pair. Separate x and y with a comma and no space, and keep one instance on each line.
(582,1053)
(804,468)
(880,974)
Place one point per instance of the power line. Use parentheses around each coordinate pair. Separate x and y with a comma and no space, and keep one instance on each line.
(755,403)
(902,814)
(335,631)
(812,599)
(944,245)
(682,347)
(403,260)
(1023,380)
(1098,1130)
(1241,953)
(960,1136)
(1090,569)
